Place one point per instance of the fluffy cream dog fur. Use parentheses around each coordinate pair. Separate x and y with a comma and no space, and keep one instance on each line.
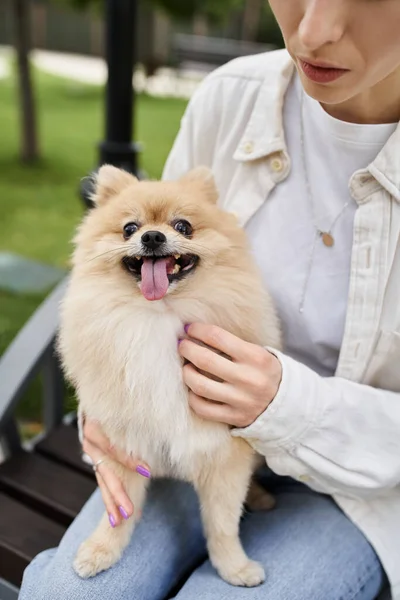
(122,316)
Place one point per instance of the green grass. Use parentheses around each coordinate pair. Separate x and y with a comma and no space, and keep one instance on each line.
(39,205)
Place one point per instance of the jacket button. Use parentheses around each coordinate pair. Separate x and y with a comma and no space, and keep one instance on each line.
(248,147)
(304,478)
(277,165)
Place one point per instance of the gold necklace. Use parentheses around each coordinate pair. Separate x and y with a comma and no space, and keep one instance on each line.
(325,235)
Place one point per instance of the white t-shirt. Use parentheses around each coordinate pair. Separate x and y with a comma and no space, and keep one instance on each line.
(282,232)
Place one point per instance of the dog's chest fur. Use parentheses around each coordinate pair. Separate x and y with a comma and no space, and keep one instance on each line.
(143,407)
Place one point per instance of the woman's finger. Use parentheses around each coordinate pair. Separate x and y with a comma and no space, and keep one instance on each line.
(205,387)
(113,513)
(95,454)
(110,479)
(221,340)
(94,434)
(205,359)
(130,462)
(211,411)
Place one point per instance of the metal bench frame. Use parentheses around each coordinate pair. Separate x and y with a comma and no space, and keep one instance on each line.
(31,352)
(8,591)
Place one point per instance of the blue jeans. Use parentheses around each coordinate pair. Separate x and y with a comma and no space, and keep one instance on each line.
(309,549)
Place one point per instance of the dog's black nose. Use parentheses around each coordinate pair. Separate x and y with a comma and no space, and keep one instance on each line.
(153,239)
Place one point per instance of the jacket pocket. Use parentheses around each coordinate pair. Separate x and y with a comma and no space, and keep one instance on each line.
(383,370)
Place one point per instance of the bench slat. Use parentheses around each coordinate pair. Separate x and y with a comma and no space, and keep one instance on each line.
(49,487)
(62,445)
(23,534)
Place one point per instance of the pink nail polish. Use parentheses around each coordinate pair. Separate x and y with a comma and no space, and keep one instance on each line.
(123,512)
(179,341)
(112,520)
(143,471)
(186,327)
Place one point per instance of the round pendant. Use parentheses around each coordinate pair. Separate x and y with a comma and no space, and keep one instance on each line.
(327,238)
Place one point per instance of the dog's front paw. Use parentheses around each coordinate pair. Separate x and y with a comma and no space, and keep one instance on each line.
(92,558)
(250,575)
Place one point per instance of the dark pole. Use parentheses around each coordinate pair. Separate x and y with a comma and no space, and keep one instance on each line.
(120,19)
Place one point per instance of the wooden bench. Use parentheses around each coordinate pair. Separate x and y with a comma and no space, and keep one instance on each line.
(44,485)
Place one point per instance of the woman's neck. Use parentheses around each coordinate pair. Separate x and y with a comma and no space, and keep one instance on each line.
(379,104)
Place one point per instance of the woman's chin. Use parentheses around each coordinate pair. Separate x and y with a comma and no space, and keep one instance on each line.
(335,92)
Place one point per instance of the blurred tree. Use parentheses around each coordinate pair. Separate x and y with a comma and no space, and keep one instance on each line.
(22,42)
(268,30)
(211,10)
(251,19)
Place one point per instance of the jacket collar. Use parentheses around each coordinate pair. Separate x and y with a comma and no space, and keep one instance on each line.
(386,166)
(264,133)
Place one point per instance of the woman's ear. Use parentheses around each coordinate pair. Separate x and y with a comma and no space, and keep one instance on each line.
(109,181)
(204,179)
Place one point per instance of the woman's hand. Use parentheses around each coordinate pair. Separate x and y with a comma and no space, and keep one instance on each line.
(97,446)
(250,381)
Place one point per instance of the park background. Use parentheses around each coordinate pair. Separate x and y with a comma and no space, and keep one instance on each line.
(52,114)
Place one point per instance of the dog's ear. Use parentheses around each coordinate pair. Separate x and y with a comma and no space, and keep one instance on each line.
(110,181)
(204,178)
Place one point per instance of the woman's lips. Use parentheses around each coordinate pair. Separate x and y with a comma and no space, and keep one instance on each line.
(321,74)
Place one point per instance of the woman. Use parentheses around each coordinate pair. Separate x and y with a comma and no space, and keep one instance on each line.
(306,150)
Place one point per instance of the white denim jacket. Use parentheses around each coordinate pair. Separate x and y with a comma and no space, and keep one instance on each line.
(340,435)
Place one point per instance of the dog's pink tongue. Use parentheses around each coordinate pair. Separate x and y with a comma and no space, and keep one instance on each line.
(155,282)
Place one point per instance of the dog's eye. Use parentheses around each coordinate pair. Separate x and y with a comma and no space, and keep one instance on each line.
(130,229)
(184,227)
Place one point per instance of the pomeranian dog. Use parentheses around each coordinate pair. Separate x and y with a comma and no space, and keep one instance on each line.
(150,257)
